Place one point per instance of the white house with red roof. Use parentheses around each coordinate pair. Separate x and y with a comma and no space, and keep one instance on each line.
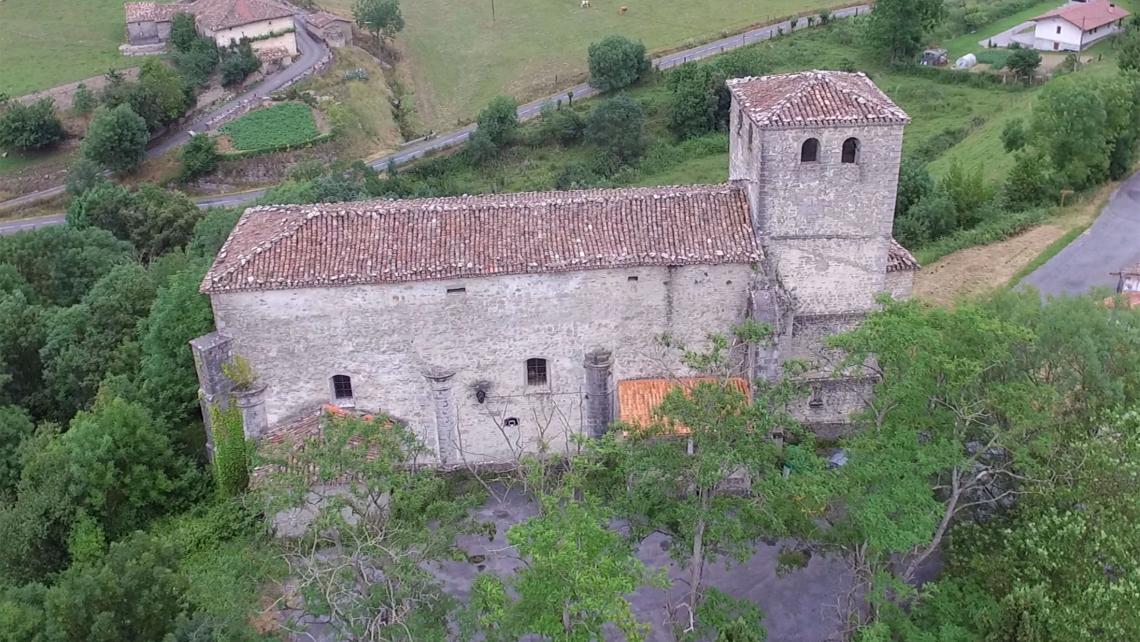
(268,24)
(1077,25)
(504,323)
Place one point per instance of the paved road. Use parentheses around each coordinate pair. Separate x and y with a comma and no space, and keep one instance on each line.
(1111,243)
(312,51)
(452,138)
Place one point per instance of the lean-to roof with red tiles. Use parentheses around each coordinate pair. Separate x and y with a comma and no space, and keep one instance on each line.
(391,241)
(899,259)
(153,12)
(815,98)
(223,14)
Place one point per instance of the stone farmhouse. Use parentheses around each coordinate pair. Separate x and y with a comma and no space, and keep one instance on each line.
(268,24)
(503,323)
(1078,25)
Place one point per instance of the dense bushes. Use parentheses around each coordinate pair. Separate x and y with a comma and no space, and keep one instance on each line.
(199,157)
(617,125)
(116,139)
(29,127)
(616,62)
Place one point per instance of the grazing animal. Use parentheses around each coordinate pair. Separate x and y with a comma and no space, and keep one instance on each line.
(585,4)
(622,10)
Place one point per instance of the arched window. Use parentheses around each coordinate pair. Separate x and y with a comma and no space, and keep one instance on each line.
(342,388)
(851,150)
(536,372)
(809,153)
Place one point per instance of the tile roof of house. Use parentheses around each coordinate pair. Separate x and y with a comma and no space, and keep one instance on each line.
(1088,15)
(283,441)
(638,399)
(389,241)
(322,19)
(899,259)
(819,98)
(223,14)
(271,54)
(153,11)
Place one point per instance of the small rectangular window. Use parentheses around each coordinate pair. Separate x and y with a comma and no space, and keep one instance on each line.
(536,372)
(457,290)
(342,387)
(631,279)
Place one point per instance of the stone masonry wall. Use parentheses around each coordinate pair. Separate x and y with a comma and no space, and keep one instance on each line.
(388,338)
(825,225)
(900,284)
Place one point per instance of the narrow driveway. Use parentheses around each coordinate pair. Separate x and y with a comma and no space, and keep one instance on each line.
(1111,243)
(438,142)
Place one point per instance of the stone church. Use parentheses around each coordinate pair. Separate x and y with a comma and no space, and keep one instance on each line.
(497,324)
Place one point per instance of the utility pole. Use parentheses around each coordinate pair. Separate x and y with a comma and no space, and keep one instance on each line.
(492,10)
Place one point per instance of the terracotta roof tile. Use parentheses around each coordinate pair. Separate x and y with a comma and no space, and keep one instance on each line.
(322,19)
(1088,15)
(819,98)
(293,435)
(223,14)
(899,259)
(638,399)
(279,247)
(153,11)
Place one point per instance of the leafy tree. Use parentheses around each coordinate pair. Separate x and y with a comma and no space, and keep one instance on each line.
(968,191)
(616,62)
(199,157)
(83,101)
(390,524)
(564,126)
(168,91)
(211,232)
(238,62)
(617,125)
(1128,49)
(15,428)
(22,335)
(1070,121)
(84,174)
(694,107)
(480,149)
(134,593)
(915,184)
(83,341)
(154,220)
(898,28)
(29,127)
(574,584)
(1024,63)
(1029,181)
(168,379)
(499,120)
(669,479)
(1014,136)
(381,18)
(197,62)
(182,32)
(60,262)
(116,138)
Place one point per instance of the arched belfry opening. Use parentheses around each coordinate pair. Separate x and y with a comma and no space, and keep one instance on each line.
(809,151)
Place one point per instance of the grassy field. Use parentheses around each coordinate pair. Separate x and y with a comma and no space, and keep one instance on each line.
(370,129)
(285,124)
(44,43)
(460,58)
(968,43)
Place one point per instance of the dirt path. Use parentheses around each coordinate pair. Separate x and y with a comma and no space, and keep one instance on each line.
(977,270)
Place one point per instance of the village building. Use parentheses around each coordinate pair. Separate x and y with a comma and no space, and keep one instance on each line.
(267,24)
(1077,26)
(496,324)
(333,29)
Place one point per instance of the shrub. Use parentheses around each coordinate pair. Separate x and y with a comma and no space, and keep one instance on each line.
(694,102)
(238,62)
(967,190)
(1014,136)
(480,149)
(199,157)
(182,32)
(616,62)
(931,218)
(617,125)
(915,184)
(564,126)
(575,176)
(197,62)
(29,127)
(83,101)
(1024,63)
(116,138)
(499,120)
(1029,182)
(84,174)
(231,451)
